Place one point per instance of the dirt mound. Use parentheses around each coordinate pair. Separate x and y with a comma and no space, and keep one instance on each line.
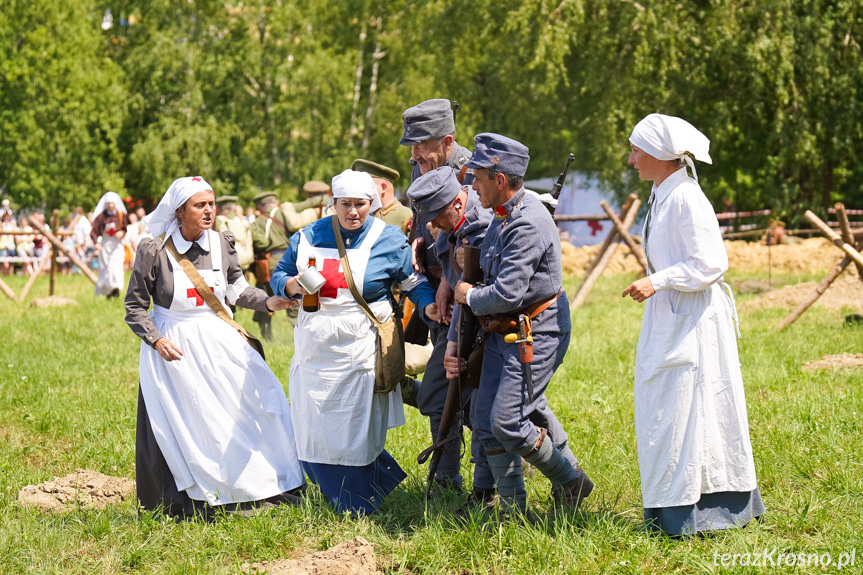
(52,301)
(354,557)
(82,488)
(577,260)
(846,361)
(812,255)
(847,291)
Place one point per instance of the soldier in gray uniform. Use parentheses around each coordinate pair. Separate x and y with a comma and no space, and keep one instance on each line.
(521,265)
(429,129)
(455,210)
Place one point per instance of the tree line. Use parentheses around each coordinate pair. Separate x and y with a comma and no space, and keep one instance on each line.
(126,95)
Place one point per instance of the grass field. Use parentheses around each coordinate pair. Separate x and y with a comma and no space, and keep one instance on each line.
(68,387)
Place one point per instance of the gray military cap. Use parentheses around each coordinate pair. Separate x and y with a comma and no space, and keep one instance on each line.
(496,152)
(433,191)
(426,121)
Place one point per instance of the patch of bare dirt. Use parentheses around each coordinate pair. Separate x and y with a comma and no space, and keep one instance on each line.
(811,255)
(52,301)
(846,361)
(82,488)
(354,557)
(847,291)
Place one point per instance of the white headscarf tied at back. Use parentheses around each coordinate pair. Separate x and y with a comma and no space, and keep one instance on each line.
(106,199)
(671,138)
(163,220)
(351,184)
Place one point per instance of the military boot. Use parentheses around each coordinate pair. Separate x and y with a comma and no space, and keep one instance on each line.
(570,483)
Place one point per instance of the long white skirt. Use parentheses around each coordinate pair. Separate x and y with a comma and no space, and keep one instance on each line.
(111,256)
(219,414)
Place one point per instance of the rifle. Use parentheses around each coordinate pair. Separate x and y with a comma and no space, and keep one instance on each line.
(467,340)
(558,185)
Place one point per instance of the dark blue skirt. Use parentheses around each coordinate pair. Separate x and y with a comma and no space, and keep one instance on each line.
(714,511)
(359,490)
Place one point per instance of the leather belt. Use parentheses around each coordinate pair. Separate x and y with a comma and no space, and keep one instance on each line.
(504,323)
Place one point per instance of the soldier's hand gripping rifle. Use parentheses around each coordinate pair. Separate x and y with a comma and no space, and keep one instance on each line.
(467,340)
(558,185)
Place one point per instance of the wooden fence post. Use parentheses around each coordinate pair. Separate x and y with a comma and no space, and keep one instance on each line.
(56,242)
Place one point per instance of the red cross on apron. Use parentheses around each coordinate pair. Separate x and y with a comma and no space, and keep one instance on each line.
(193,293)
(335,279)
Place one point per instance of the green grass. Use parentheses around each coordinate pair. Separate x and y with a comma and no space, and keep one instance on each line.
(68,387)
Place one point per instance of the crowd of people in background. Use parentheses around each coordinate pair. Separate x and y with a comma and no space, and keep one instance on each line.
(24,253)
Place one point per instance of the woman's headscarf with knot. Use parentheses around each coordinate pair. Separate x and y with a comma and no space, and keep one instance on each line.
(351,184)
(107,198)
(671,138)
(163,220)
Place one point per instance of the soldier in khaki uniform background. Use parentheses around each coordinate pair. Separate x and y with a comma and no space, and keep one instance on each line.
(270,234)
(230,221)
(393,211)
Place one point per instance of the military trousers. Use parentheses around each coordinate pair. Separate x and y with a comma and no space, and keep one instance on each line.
(430,400)
(502,416)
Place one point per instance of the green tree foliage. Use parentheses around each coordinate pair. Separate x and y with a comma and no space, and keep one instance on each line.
(257,94)
(61,105)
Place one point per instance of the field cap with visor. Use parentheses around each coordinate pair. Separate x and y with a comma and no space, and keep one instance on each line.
(496,152)
(432,192)
(427,121)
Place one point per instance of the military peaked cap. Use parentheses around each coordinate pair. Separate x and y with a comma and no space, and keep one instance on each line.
(263,197)
(375,170)
(221,200)
(316,187)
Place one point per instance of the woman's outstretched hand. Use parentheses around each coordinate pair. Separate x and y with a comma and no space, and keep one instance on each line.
(639,290)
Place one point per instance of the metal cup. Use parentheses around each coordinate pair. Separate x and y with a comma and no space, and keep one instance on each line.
(311,280)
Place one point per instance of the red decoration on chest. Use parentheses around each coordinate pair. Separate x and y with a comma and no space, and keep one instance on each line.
(594,227)
(335,279)
(193,293)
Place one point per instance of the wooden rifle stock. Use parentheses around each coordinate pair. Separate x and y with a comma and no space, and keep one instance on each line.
(468,324)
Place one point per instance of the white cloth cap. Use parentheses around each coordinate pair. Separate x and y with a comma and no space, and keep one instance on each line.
(351,184)
(107,198)
(671,138)
(163,220)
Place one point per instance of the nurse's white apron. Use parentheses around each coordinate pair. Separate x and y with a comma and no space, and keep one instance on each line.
(219,415)
(338,419)
(111,257)
(690,407)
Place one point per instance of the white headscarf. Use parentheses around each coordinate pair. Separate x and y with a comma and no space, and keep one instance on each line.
(107,198)
(163,220)
(671,138)
(351,184)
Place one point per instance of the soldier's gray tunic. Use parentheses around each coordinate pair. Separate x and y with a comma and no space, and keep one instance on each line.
(432,394)
(521,263)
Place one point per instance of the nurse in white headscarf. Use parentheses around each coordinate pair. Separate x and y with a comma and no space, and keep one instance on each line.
(214,425)
(107,231)
(340,423)
(694,452)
